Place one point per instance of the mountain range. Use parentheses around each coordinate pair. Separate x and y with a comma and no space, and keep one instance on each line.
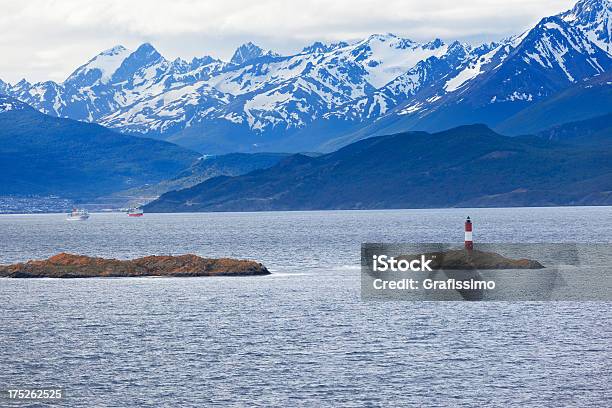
(330,95)
(467,166)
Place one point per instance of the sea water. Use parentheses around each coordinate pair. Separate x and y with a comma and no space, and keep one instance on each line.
(301,336)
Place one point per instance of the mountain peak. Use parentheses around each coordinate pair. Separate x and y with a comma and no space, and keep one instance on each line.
(117,49)
(594,19)
(100,68)
(248,52)
(588,9)
(432,45)
(145,56)
(321,47)
(147,49)
(21,86)
(317,46)
(563,47)
(382,37)
(546,22)
(389,40)
(552,25)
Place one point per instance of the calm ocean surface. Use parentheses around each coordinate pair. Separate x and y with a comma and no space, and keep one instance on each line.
(301,336)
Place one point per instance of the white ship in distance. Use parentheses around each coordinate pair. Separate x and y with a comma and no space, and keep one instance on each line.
(78,215)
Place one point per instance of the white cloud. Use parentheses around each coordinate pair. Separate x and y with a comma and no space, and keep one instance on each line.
(43,39)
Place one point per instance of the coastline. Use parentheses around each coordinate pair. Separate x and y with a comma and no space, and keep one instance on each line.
(118,211)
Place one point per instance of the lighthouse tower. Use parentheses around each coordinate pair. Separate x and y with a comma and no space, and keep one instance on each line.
(469,244)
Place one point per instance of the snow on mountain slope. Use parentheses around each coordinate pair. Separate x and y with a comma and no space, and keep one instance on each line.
(326,77)
(365,84)
(473,68)
(594,18)
(292,104)
(270,92)
(100,68)
(532,64)
(550,56)
(112,80)
(249,52)
(424,74)
(385,57)
(286,81)
(508,77)
(341,78)
(167,111)
(559,45)
(10,104)
(48,97)
(521,69)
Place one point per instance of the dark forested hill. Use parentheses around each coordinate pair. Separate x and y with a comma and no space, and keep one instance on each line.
(596,132)
(40,154)
(464,166)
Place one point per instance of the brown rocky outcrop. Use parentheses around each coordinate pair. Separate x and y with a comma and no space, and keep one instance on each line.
(78,266)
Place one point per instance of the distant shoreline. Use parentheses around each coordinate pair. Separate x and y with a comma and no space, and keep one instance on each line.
(318,210)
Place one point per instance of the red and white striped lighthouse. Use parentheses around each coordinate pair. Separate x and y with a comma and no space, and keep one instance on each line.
(469,244)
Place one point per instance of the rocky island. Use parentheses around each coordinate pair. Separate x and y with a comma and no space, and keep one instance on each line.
(461,259)
(78,266)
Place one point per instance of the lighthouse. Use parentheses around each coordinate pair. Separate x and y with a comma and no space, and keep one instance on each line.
(469,244)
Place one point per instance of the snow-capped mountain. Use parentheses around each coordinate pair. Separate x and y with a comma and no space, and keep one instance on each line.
(519,71)
(113,79)
(262,100)
(270,93)
(424,73)
(249,52)
(594,18)
(491,83)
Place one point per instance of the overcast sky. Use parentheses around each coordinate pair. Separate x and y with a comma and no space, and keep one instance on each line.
(48,39)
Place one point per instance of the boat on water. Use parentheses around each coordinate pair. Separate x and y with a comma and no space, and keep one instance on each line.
(78,215)
(135,212)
